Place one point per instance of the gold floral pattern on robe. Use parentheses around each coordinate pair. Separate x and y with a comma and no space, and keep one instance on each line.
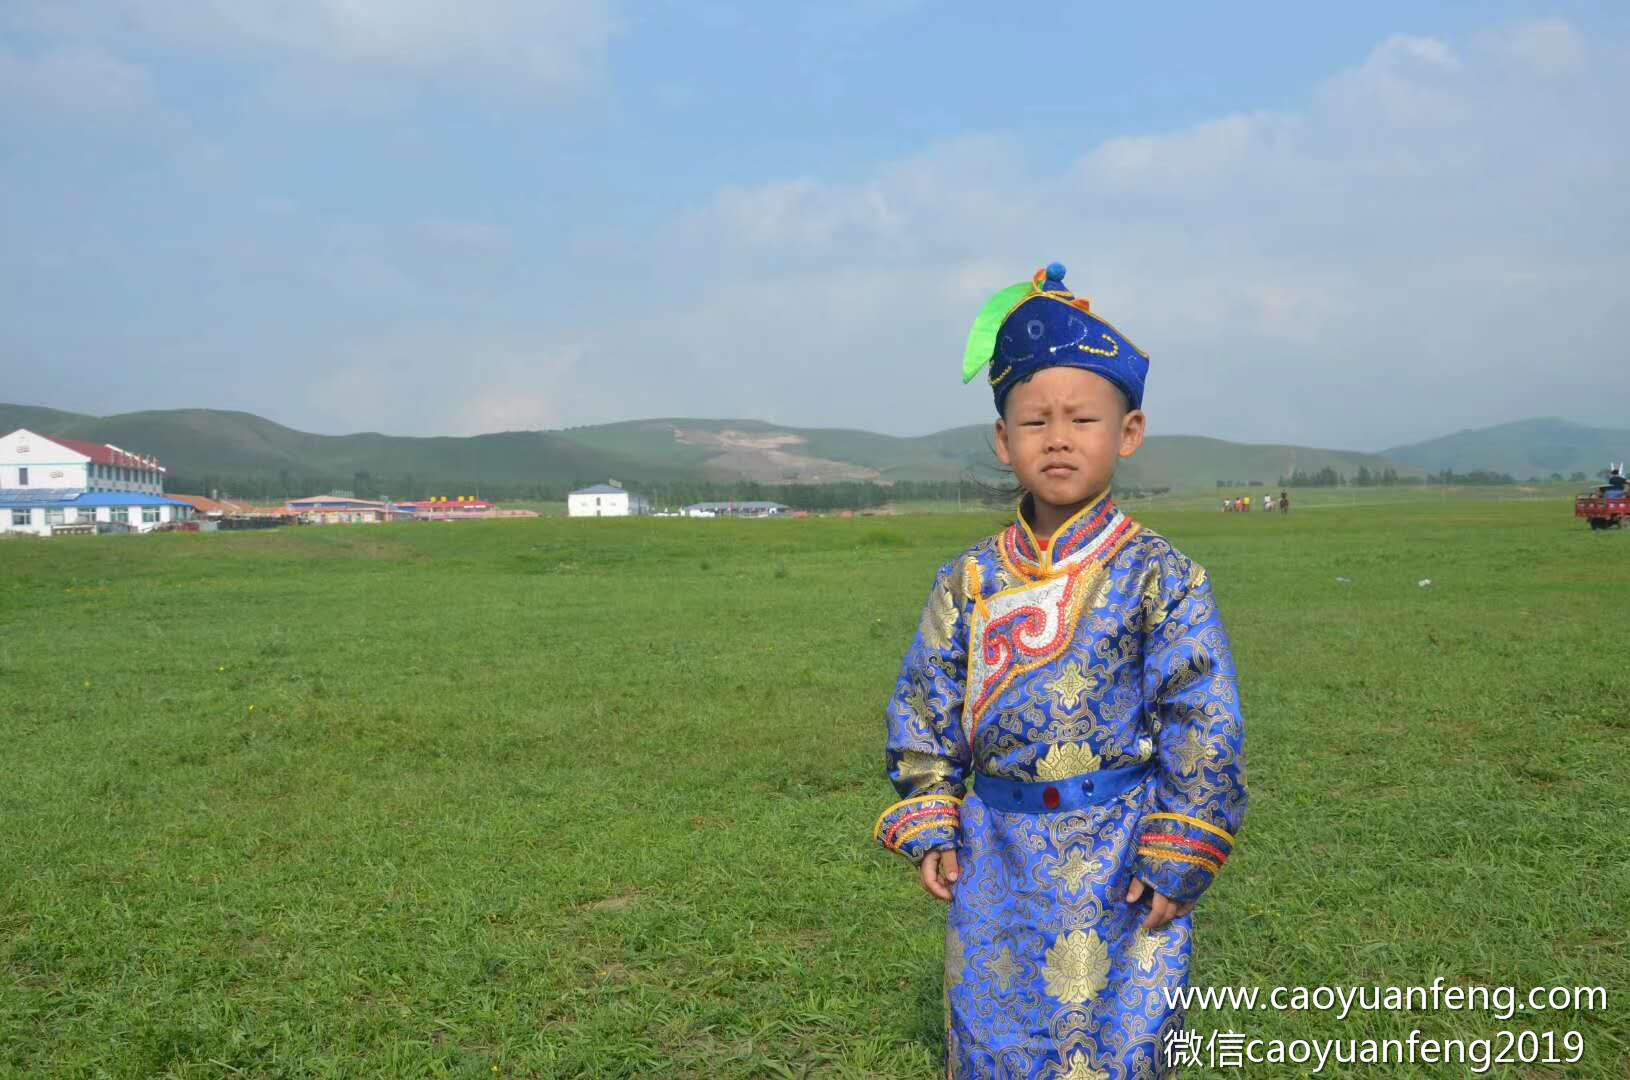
(1066,760)
(1077,967)
(1080,1068)
(938,623)
(1070,684)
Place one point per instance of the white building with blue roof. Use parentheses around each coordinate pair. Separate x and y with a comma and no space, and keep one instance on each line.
(50,485)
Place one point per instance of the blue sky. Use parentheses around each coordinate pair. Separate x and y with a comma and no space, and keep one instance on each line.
(1350,225)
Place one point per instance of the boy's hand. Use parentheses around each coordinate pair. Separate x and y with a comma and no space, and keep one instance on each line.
(939,874)
(1162,910)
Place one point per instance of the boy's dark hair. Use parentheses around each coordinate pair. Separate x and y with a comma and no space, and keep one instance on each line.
(996,492)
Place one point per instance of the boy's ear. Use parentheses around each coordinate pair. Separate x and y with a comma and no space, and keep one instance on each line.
(1132,432)
(1002,453)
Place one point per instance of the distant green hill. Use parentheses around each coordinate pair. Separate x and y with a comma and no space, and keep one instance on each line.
(1193,461)
(772,454)
(38,418)
(237,452)
(1525,449)
(679,458)
(726,450)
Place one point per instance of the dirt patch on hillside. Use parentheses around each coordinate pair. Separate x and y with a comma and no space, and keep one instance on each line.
(771,457)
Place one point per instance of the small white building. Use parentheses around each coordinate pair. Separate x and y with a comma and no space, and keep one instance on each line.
(30,461)
(605,500)
(755,508)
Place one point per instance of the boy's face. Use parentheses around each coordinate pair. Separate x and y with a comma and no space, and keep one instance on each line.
(1063,432)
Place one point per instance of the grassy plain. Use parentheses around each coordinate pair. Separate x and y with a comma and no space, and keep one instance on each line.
(592,798)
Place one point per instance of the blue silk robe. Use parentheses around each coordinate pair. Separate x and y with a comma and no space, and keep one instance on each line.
(1040,663)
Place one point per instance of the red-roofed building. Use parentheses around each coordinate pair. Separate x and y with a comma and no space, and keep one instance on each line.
(344,510)
(29,461)
(213,508)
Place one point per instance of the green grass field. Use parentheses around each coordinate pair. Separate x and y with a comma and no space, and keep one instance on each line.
(593,798)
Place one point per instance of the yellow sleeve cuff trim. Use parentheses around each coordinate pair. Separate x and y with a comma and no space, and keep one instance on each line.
(1196,822)
(877,830)
(918,829)
(1172,856)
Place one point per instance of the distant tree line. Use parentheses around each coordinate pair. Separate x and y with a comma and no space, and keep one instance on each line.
(1388,477)
(1325,477)
(267,488)
(1476,478)
(289,484)
(852,495)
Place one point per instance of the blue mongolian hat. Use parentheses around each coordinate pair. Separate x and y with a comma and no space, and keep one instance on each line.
(1040,324)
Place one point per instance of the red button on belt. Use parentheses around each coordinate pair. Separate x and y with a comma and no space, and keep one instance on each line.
(1049,798)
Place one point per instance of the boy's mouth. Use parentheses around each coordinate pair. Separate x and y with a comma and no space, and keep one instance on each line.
(1057,468)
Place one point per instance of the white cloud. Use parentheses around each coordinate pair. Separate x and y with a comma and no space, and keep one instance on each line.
(1394,259)
(78,82)
(803,213)
(1187,162)
(1546,47)
(443,380)
(1435,238)
(542,47)
(962,183)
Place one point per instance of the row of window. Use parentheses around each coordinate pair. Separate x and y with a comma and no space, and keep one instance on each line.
(57,516)
(111,473)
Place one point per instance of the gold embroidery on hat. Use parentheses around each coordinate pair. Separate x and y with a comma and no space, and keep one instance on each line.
(1113,350)
(1096,317)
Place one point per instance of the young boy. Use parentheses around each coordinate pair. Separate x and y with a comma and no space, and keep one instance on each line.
(1073,671)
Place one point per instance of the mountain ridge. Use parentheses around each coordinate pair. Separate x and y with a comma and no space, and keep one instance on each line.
(1538,447)
(213,449)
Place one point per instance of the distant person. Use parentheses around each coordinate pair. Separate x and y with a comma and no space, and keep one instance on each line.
(1284,502)
(1044,972)
(1616,482)
(1267,502)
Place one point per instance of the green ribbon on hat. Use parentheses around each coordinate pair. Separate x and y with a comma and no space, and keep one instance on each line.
(982,338)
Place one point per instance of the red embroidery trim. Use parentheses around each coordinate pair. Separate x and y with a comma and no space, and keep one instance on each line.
(1183,841)
(1082,534)
(999,648)
(948,811)
(1012,539)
